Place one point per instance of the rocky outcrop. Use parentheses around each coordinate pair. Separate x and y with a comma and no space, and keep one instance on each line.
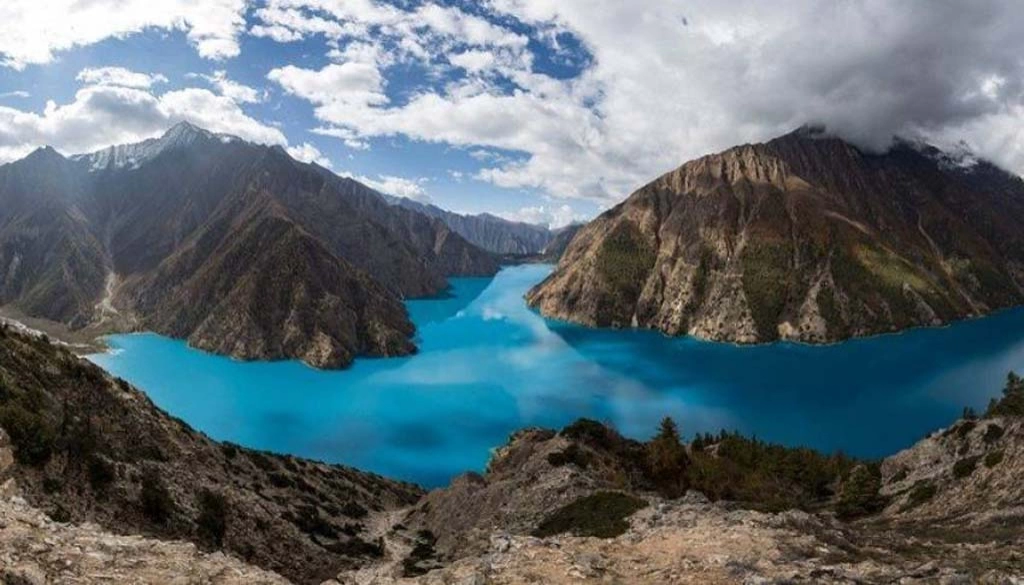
(234,246)
(803,238)
(86,448)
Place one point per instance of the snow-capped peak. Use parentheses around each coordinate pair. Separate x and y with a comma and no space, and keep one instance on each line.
(131,156)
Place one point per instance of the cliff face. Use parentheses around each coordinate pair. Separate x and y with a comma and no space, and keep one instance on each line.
(804,238)
(233,246)
(88,448)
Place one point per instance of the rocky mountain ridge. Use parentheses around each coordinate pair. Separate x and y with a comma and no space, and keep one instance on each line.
(486,230)
(804,238)
(235,247)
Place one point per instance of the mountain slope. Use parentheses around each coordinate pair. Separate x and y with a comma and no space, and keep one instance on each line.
(236,247)
(87,447)
(487,231)
(804,237)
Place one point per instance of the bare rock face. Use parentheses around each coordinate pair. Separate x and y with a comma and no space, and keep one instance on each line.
(804,238)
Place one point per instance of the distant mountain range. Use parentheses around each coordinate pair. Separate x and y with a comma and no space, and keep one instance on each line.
(235,247)
(487,231)
(805,237)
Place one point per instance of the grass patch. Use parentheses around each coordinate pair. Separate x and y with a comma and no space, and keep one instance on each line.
(602,515)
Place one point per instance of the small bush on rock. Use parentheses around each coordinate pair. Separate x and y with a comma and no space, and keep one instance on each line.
(602,515)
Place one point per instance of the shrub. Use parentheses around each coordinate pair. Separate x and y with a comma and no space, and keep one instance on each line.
(900,475)
(32,435)
(994,458)
(602,515)
(590,432)
(155,498)
(922,492)
(860,496)
(965,467)
(571,455)
(354,510)
(213,516)
(993,433)
(102,473)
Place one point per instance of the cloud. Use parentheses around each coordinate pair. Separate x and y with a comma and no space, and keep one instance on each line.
(101,115)
(31,32)
(15,94)
(552,216)
(119,76)
(308,153)
(660,82)
(229,88)
(392,185)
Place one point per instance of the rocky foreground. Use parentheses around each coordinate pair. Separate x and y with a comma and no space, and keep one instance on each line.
(98,486)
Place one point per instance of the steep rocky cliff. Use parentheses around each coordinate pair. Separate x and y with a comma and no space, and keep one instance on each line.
(236,247)
(805,237)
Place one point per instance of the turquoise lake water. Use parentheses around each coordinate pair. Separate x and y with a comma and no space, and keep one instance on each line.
(489,365)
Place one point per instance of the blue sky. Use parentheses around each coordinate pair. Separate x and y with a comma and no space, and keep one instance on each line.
(533,109)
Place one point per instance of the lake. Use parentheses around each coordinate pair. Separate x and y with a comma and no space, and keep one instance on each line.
(489,365)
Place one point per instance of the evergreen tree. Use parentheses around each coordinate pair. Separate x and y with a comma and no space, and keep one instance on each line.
(667,459)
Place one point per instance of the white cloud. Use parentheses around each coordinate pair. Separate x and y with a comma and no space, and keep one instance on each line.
(308,153)
(229,88)
(553,216)
(392,185)
(15,94)
(32,31)
(665,81)
(119,76)
(101,115)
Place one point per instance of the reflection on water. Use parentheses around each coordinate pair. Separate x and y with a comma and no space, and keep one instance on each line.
(488,365)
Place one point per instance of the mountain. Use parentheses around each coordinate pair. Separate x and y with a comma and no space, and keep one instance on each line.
(235,247)
(85,447)
(560,240)
(805,237)
(487,231)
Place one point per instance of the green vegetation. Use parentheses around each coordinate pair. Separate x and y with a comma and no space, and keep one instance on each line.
(965,467)
(921,492)
(726,466)
(602,515)
(667,460)
(994,458)
(1012,402)
(155,498)
(767,277)
(572,454)
(212,521)
(102,473)
(860,496)
(23,416)
(993,433)
(730,466)
(623,262)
